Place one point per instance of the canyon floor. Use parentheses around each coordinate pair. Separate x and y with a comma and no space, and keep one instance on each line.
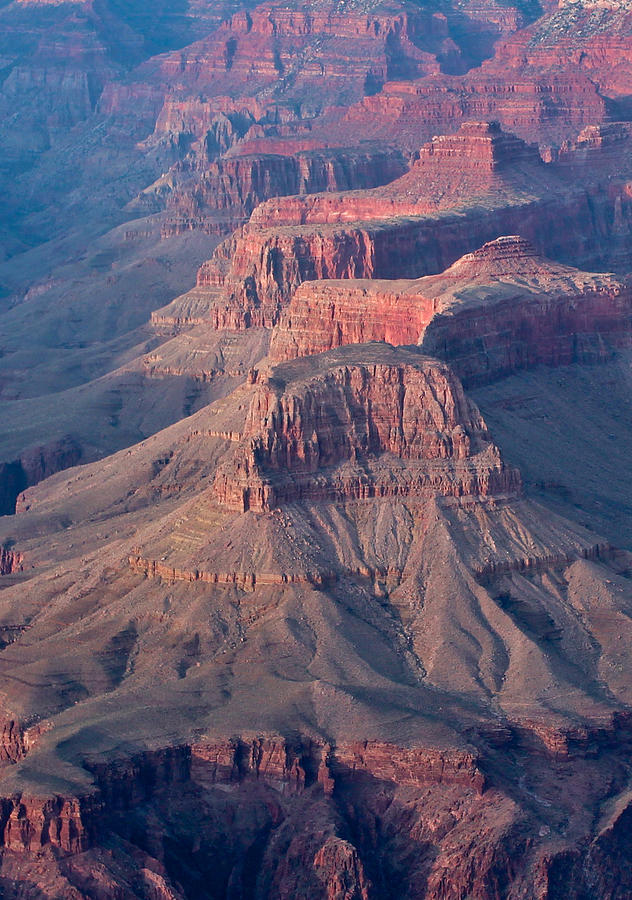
(315,479)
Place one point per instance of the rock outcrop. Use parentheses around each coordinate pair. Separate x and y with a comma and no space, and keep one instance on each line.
(389,813)
(32,824)
(10,561)
(291,767)
(330,313)
(35,464)
(28,824)
(343,53)
(417,225)
(547,103)
(237,184)
(530,314)
(495,311)
(577,35)
(361,430)
(451,170)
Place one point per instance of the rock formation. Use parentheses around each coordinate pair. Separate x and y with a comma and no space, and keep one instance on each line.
(319,584)
(416,225)
(495,311)
(337,433)
(239,183)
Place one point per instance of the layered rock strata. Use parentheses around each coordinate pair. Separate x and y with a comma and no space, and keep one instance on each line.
(29,824)
(361,430)
(288,50)
(237,184)
(497,310)
(417,225)
(447,171)
(333,563)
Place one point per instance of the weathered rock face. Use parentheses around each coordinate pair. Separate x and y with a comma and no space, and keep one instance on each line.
(352,414)
(448,171)
(253,274)
(548,104)
(29,824)
(239,183)
(274,45)
(10,561)
(293,767)
(581,36)
(463,190)
(32,824)
(482,147)
(562,317)
(35,464)
(594,143)
(12,741)
(497,310)
(387,817)
(327,314)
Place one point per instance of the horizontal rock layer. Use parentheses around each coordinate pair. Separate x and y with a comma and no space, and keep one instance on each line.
(237,184)
(497,310)
(351,415)
(253,276)
(29,823)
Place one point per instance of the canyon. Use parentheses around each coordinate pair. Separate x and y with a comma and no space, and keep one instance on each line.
(315,495)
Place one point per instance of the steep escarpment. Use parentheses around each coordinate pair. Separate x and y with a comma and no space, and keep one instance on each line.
(417,225)
(497,310)
(547,80)
(329,55)
(35,464)
(239,183)
(361,832)
(549,104)
(352,414)
(551,315)
(253,274)
(32,824)
(330,313)
(450,170)
(10,561)
(267,46)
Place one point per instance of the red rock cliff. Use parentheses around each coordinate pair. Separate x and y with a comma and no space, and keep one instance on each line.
(497,310)
(331,422)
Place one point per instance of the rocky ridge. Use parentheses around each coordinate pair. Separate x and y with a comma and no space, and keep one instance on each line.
(418,224)
(495,311)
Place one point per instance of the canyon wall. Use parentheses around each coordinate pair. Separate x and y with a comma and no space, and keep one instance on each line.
(350,415)
(235,185)
(267,265)
(461,191)
(495,311)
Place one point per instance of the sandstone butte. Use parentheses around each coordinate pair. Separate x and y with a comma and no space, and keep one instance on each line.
(338,603)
